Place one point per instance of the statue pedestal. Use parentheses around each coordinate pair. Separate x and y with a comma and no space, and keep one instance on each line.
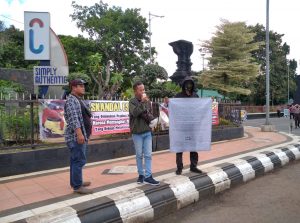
(179,76)
(268,128)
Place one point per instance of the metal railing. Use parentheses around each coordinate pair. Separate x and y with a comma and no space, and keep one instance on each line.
(229,114)
(19,121)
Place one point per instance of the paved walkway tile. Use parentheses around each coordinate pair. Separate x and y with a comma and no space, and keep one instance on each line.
(20,192)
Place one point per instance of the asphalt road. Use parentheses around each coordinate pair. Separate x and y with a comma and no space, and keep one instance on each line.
(273,198)
(281,124)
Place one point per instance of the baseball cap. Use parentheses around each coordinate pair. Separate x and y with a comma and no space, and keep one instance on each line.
(77,82)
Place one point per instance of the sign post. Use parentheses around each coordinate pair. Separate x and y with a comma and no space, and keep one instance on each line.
(42,44)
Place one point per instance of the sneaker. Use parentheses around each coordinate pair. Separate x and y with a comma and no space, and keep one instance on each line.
(83,190)
(86,183)
(140,180)
(178,171)
(195,170)
(151,181)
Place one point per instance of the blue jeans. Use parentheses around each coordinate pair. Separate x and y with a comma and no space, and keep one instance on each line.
(143,149)
(77,161)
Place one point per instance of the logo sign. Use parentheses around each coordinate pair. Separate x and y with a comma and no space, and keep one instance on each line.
(37,35)
(49,75)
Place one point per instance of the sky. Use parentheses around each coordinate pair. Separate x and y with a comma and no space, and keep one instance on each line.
(191,20)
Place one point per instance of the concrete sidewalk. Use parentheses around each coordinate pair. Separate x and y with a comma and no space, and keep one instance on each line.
(47,195)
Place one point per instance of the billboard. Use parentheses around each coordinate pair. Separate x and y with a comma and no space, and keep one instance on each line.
(108,117)
(37,35)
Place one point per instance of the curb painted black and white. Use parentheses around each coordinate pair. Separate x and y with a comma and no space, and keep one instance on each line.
(132,203)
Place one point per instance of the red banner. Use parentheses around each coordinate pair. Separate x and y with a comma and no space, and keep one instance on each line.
(215,113)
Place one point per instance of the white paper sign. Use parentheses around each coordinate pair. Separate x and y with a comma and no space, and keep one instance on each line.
(190,124)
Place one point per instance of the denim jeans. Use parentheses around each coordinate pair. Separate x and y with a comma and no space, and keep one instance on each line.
(143,149)
(77,161)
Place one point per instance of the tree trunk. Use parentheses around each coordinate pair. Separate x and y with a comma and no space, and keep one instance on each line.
(99,83)
(107,78)
(100,88)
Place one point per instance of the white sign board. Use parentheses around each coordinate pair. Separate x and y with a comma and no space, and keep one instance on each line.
(49,75)
(190,124)
(37,35)
(58,55)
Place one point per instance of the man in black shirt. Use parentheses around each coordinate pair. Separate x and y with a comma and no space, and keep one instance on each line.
(188,91)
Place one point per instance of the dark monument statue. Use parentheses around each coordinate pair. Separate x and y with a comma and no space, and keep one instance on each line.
(297,93)
(183,50)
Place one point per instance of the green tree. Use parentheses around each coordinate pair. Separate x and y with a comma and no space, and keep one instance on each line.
(12,49)
(155,79)
(164,89)
(231,67)
(151,73)
(83,76)
(120,36)
(10,87)
(108,82)
(278,68)
(78,49)
(95,70)
(2,26)
(78,75)
(115,83)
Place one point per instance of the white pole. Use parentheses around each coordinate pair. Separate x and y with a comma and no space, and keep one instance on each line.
(288,76)
(267,67)
(150,33)
(150,38)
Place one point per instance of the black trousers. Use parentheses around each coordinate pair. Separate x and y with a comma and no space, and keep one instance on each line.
(278,113)
(193,159)
(297,120)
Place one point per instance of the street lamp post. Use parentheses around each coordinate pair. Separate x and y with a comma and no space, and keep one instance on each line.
(150,34)
(288,80)
(267,67)
(267,127)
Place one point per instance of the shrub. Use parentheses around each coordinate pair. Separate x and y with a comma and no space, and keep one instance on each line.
(15,125)
(223,121)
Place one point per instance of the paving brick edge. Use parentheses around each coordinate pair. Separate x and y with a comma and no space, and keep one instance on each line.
(147,203)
